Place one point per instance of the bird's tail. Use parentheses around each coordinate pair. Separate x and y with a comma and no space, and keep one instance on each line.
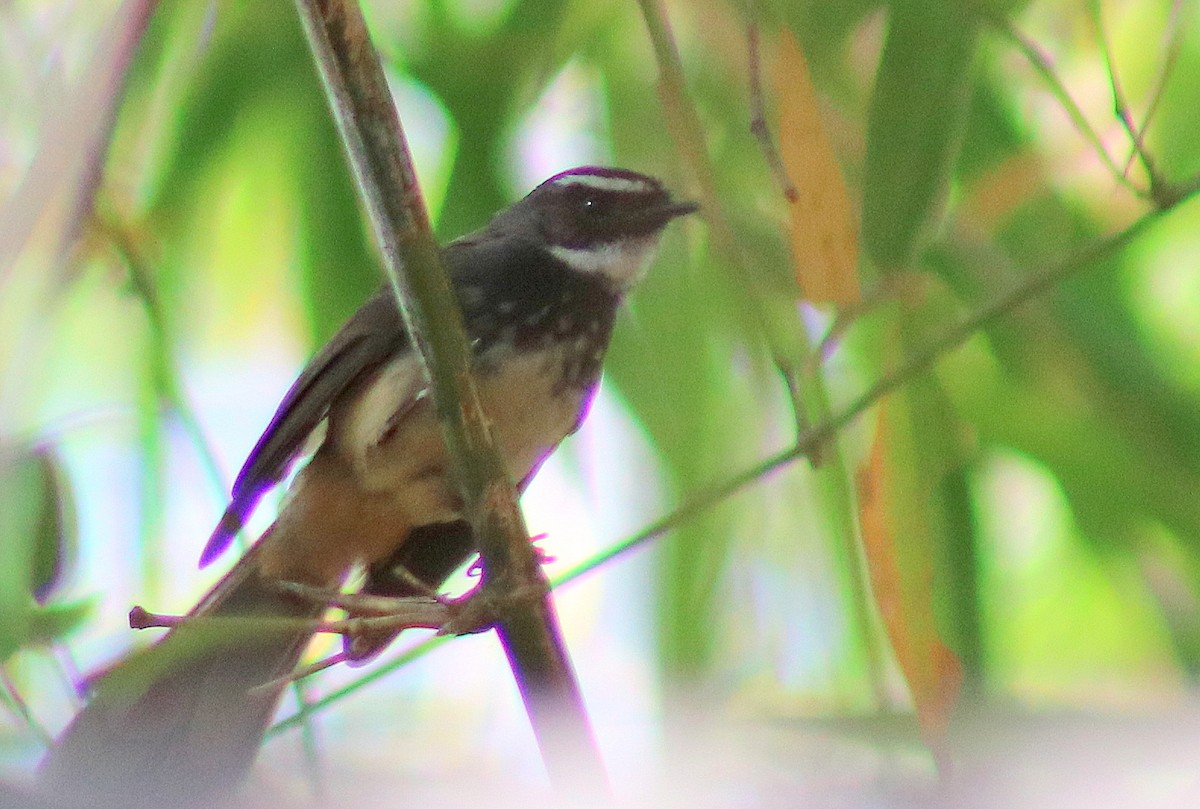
(180,723)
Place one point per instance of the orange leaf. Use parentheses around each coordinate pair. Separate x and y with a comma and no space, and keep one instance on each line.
(824,233)
(899,559)
(995,195)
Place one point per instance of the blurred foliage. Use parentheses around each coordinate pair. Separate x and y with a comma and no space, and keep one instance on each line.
(1037,527)
(37,545)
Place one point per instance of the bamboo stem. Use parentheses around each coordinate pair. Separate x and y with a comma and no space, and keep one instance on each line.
(383,168)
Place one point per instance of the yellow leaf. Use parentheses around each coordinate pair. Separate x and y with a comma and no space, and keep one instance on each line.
(824,233)
(897,544)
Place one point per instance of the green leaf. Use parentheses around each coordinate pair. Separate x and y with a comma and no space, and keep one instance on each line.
(905,526)
(52,622)
(37,541)
(921,99)
(55,537)
(23,495)
(822,27)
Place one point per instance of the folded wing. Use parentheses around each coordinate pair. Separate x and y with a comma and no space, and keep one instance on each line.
(372,337)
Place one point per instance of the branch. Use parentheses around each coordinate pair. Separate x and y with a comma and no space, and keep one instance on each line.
(1041,65)
(382,166)
(687,132)
(73,146)
(826,430)
(1121,106)
(913,366)
(759,127)
(399,614)
(1163,192)
(1172,44)
(127,36)
(12,696)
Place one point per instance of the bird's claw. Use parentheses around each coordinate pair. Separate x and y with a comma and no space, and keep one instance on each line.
(482,607)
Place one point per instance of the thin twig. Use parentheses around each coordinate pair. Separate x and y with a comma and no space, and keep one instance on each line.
(688,135)
(294,677)
(141,618)
(366,603)
(379,672)
(1171,47)
(168,380)
(127,39)
(314,758)
(758,116)
(894,287)
(1163,192)
(401,613)
(382,165)
(1041,65)
(368,611)
(705,499)
(68,669)
(358,603)
(1121,106)
(18,705)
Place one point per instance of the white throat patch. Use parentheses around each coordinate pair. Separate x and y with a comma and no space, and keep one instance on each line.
(623,262)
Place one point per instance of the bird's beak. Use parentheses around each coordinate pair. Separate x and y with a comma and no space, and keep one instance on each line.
(659,216)
(675,209)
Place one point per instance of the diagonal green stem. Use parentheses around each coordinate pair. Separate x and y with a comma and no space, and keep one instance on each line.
(1038,61)
(917,363)
(382,165)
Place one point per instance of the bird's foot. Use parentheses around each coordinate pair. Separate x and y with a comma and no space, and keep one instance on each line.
(484,605)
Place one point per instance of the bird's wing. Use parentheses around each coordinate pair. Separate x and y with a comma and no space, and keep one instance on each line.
(372,336)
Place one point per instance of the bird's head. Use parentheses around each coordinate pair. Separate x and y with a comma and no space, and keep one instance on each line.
(598,221)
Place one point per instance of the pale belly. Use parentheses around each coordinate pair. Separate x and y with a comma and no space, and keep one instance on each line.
(383,469)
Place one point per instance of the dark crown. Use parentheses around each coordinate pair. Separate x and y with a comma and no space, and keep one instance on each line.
(592,206)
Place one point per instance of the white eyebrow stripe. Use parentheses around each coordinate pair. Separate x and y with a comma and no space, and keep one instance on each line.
(603,183)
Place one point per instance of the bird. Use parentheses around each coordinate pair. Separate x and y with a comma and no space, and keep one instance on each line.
(539,288)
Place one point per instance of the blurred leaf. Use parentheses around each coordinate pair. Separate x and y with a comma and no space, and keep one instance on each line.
(921,98)
(992,132)
(671,360)
(909,506)
(57,532)
(21,506)
(823,233)
(957,597)
(256,84)
(898,536)
(36,538)
(1172,134)
(822,28)
(508,64)
(50,623)
(675,377)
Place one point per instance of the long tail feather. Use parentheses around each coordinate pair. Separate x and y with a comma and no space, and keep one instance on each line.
(180,723)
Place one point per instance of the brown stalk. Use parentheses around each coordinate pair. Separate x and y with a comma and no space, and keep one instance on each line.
(379,157)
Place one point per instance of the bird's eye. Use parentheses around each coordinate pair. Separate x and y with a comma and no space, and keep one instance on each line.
(593,206)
